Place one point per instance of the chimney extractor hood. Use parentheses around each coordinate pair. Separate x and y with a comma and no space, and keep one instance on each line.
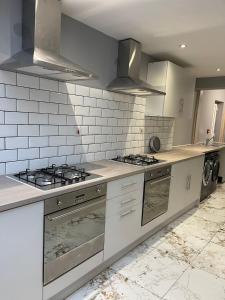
(40,55)
(128,71)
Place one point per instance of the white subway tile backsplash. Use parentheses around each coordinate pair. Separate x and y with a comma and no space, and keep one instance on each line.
(67,88)
(30,153)
(67,130)
(17,92)
(8,155)
(28,81)
(88,120)
(7,104)
(16,142)
(66,109)
(27,106)
(48,152)
(39,95)
(8,130)
(75,100)
(57,119)
(49,130)
(38,118)
(51,108)
(66,150)
(82,90)
(57,140)
(58,98)
(28,130)
(41,141)
(82,111)
(2,90)
(38,163)
(2,144)
(2,169)
(2,117)
(17,166)
(88,101)
(95,93)
(45,121)
(49,85)
(74,120)
(7,77)
(57,160)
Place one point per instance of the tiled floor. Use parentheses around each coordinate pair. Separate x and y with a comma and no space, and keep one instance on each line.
(184,261)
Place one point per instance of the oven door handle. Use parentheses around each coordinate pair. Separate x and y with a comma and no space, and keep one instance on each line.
(57,216)
(155,181)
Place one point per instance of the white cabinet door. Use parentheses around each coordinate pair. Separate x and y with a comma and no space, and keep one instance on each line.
(175,81)
(185,184)
(123,213)
(21,255)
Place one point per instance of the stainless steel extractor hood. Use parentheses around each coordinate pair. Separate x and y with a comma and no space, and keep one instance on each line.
(40,55)
(128,71)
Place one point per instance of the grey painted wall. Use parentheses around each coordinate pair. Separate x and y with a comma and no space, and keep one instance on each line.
(210,83)
(80,43)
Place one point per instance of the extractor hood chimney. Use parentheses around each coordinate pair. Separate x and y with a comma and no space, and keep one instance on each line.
(128,71)
(40,55)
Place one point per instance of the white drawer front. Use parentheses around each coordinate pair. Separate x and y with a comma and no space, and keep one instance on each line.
(122,203)
(125,185)
(122,230)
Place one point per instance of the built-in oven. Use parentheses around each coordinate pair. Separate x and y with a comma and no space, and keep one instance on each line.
(156,193)
(74,225)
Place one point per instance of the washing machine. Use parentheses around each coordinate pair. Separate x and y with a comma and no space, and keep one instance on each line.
(210,174)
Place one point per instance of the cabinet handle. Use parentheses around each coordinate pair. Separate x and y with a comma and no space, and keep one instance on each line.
(188,183)
(127,213)
(127,201)
(125,186)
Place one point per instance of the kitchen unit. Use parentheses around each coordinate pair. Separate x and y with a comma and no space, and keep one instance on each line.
(176,83)
(124,209)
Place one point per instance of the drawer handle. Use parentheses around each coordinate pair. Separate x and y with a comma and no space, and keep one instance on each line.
(127,201)
(127,213)
(125,186)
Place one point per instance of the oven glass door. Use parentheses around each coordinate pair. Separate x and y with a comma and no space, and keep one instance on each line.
(71,236)
(156,198)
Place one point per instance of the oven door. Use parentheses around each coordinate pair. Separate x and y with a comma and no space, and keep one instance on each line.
(73,235)
(156,198)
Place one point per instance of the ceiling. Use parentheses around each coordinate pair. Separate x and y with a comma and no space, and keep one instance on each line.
(161,26)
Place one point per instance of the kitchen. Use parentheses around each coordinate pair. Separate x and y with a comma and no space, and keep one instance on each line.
(111,183)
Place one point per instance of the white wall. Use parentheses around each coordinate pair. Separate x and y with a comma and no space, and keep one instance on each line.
(205,112)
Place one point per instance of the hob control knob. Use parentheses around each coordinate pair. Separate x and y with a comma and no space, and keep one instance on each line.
(59,203)
(99,189)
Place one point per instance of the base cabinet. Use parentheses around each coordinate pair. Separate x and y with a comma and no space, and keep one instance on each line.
(21,259)
(185,185)
(123,214)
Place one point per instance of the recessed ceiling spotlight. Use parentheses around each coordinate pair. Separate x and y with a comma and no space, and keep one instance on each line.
(218,69)
(183,46)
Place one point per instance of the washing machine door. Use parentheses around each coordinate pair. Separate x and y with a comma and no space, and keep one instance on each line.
(215,170)
(207,173)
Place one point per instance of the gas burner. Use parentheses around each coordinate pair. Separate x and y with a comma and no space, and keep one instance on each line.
(55,176)
(138,160)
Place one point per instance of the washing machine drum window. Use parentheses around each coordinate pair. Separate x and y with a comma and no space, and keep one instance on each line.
(215,170)
(207,173)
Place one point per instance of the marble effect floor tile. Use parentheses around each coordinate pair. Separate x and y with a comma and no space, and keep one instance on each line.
(112,286)
(210,214)
(182,245)
(155,271)
(196,284)
(219,238)
(211,260)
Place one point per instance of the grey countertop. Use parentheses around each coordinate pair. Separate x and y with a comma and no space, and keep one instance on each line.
(14,193)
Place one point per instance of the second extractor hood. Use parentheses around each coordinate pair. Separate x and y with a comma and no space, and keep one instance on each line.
(128,71)
(40,54)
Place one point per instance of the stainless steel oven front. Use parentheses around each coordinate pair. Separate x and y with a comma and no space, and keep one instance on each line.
(156,193)
(74,226)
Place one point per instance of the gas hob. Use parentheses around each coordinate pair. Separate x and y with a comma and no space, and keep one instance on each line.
(55,176)
(137,159)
